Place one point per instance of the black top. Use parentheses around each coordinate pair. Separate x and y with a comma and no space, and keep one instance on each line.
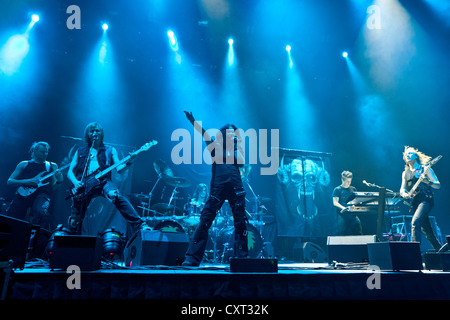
(424,192)
(32,169)
(345,195)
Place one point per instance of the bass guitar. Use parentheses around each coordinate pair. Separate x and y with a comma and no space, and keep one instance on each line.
(26,191)
(412,192)
(95,179)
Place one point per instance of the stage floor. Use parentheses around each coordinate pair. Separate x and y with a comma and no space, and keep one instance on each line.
(214,282)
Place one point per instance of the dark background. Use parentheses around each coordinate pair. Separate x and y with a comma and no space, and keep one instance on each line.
(398,95)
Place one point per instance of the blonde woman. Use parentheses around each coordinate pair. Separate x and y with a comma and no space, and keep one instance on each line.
(422,199)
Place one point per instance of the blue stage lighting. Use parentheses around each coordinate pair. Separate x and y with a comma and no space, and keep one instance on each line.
(230,41)
(288,48)
(35,17)
(345,54)
(105,27)
(172,40)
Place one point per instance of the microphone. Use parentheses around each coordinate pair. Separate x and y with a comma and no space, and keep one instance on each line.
(367,184)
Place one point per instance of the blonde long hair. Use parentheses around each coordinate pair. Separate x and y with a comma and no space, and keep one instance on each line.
(423,158)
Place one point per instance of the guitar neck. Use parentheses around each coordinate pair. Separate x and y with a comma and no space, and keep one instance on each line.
(109,169)
(124,160)
(54,172)
(413,189)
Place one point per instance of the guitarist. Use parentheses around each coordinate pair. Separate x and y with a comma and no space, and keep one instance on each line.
(88,160)
(422,200)
(27,174)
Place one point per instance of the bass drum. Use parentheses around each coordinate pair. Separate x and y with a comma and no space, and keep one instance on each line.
(225,242)
(169,226)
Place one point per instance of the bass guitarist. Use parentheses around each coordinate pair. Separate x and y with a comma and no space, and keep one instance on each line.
(88,160)
(27,174)
(422,200)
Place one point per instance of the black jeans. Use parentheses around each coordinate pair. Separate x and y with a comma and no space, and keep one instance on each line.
(120,202)
(38,203)
(421,221)
(349,224)
(221,190)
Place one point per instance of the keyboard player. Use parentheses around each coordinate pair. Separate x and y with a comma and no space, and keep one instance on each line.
(348,223)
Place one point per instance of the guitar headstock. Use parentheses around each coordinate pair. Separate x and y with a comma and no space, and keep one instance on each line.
(148,145)
(433,162)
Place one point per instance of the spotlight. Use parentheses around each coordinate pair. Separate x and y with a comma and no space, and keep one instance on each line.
(171,36)
(35,18)
(105,27)
(172,40)
(113,244)
(288,48)
(345,54)
(230,41)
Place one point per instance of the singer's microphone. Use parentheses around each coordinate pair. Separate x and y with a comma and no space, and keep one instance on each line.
(366,183)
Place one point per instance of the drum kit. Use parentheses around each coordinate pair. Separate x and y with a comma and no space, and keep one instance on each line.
(168,217)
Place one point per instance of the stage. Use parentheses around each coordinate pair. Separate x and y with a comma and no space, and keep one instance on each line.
(215,282)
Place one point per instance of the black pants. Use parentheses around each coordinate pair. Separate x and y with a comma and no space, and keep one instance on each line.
(421,222)
(38,202)
(221,190)
(349,225)
(120,202)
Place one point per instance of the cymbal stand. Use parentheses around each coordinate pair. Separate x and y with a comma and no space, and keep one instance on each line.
(150,194)
(174,192)
(258,205)
(214,236)
(259,215)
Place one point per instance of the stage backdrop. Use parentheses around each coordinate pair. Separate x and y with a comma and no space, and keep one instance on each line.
(303,194)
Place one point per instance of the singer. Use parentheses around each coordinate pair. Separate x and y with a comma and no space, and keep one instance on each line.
(88,160)
(226,184)
(348,223)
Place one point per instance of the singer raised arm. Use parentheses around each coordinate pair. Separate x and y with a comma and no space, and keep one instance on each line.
(198,127)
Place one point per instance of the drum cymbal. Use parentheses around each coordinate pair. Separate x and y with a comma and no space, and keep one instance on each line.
(162,168)
(166,208)
(264,199)
(176,181)
(162,207)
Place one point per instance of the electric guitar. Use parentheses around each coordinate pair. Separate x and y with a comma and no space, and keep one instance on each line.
(412,192)
(95,179)
(26,191)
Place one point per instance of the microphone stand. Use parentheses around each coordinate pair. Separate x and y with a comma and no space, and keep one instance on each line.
(373,185)
(381,207)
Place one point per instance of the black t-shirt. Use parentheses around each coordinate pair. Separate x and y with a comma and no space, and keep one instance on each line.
(32,169)
(345,195)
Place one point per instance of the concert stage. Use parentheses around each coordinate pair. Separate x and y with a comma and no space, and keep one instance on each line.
(215,282)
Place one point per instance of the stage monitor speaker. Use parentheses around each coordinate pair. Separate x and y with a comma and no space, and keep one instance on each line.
(395,256)
(82,251)
(14,240)
(154,247)
(253,265)
(313,253)
(347,249)
(437,261)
